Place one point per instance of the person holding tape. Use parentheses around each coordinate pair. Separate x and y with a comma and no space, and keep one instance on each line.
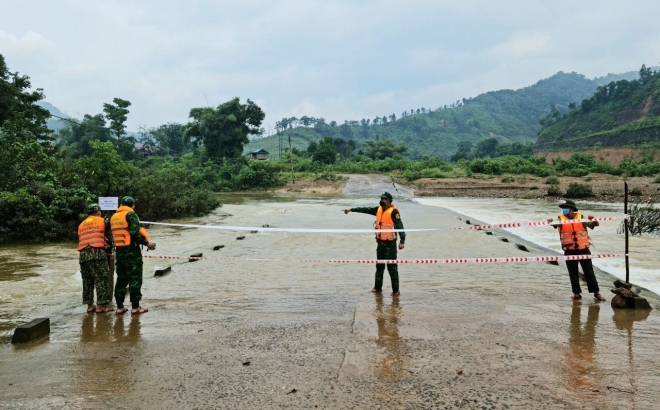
(575,241)
(128,237)
(387,217)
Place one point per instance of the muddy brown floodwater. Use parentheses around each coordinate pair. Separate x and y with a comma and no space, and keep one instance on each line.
(248,334)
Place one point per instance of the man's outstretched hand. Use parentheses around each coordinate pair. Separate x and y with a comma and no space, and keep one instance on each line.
(347,210)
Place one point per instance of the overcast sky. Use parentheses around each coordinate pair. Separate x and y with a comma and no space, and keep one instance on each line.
(333,59)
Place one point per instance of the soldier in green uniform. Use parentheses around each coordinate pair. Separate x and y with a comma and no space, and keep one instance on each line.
(387,217)
(93,241)
(128,236)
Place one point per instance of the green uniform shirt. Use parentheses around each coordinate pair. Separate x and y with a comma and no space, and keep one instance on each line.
(396,217)
(134,229)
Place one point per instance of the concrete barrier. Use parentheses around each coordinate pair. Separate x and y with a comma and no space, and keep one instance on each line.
(522,247)
(163,272)
(33,330)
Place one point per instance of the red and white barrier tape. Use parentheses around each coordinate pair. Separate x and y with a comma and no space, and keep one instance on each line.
(513,259)
(371,231)
(539,223)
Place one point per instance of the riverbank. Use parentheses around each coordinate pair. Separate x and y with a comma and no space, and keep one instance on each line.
(606,188)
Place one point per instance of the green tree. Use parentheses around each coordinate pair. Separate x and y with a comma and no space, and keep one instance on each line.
(23,133)
(104,172)
(381,147)
(18,105)
(117,114)
(170,138)
(224,130)
(76,136)
(463,149)
(486,148)
(325,153)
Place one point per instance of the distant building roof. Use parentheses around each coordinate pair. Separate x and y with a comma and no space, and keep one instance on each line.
(261,151)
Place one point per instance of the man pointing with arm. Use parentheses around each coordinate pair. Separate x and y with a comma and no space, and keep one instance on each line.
(387,217)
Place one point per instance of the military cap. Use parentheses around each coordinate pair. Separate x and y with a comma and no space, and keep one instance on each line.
(93,208)
(128,200)
(386,195)
(568,204)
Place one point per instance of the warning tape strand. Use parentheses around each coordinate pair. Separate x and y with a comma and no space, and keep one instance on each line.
(513,259)
(359,231)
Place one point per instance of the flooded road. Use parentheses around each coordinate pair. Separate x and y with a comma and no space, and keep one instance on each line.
(251,334)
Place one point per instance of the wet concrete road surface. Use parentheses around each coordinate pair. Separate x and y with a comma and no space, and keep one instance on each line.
(248,335)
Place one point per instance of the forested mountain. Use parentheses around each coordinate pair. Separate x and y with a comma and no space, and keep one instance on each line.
(620,113)
(507,115)
(54,123)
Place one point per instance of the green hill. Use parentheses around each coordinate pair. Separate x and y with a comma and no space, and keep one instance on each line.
(507,115)
(54,123)
(620,113)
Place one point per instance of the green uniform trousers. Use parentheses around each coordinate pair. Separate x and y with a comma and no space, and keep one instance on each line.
(387,250)
(129,273)
(96,274)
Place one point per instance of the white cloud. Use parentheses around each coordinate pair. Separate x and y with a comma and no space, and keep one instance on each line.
(521,45)
(79,70)
(30,42)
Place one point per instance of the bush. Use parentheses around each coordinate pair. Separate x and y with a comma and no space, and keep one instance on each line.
(553,190)
(552,181)
(636,192)
(507,180)
(579,191)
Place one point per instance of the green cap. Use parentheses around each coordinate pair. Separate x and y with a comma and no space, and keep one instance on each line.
(93,208)
(568,204)
(128,200)
(386,195)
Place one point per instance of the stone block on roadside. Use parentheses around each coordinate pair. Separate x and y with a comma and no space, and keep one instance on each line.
(488,232)
(638,303)
(163,272)
(218,247)
(503,239)
(555,263)
(522,247)
(240,238)
(195,257)
(33,330)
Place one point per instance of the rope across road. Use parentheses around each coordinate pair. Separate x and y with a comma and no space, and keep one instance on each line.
(361,231)
(516,259)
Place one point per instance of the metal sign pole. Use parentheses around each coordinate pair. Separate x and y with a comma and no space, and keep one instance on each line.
(625,226)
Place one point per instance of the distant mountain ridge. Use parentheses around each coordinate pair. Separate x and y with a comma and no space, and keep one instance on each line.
(54,123)
(507,115)
(619,113)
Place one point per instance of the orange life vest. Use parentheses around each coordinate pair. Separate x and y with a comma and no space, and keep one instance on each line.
(119,226)
(573,236)
(384,221)
(91,233)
